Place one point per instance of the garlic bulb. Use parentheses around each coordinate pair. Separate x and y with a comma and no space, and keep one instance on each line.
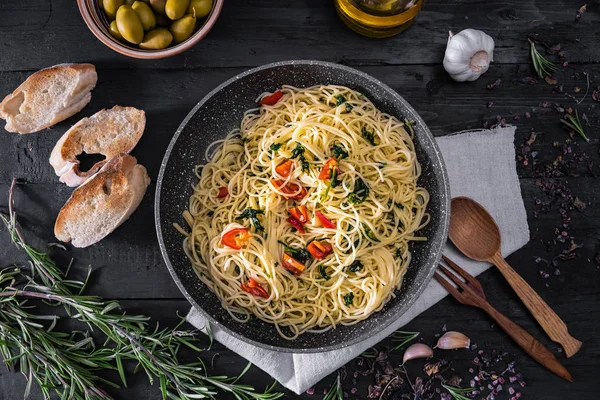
(468,54)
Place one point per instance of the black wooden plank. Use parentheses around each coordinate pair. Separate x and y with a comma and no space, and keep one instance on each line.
(540,384)
(42,33)
(446,106)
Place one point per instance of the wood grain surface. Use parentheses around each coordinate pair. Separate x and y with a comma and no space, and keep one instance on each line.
(128,265)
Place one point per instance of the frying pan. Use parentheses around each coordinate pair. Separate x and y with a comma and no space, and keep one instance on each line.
(219,112)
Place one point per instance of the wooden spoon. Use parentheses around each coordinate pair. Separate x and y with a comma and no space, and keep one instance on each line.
(475,233)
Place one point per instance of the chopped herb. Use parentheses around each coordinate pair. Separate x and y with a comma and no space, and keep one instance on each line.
(340,100)
(399,253)
(356,266)
(246,140)
(301,255)
(349,299)
(251,214)
(369,233)
(323,272)
(356,242)
(349,107)
(381,165)
(345,204)
(237,270)
(368,136)
(298,152)
(338,152)
(210,213)
(360,192)
(275,146)
(399,205)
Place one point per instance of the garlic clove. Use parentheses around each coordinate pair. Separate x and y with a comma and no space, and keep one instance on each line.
(468,54)
(417,350)
(453,340)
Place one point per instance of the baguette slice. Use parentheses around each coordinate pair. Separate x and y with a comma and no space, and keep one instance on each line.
(103,202)
(48,96)
(108,132)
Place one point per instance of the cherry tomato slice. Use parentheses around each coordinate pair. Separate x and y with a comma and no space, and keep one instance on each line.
(236,238)
(299,213)
(326,222)
(319,249)
(292,265)
(272,98)
(285,168)
(296,224)
(290,190)
(327,169)
(254,288)
(223,192)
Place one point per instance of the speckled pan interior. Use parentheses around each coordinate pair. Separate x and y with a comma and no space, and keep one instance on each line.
(221,111)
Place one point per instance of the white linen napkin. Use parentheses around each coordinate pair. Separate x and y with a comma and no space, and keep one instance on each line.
(481,165)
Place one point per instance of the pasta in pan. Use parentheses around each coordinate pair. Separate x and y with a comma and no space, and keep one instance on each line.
(303,216)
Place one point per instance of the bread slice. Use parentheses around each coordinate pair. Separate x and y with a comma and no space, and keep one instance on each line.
(103,202)
(108,132)
(48,96)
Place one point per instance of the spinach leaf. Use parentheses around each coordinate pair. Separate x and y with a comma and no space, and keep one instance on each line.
(338,152)
(340,100)
(301,255)
(360,192)
(251,214)
(356,266)
(275,146)
(368,136)
(349,299)
(369,233)
(298,152)
(323,272)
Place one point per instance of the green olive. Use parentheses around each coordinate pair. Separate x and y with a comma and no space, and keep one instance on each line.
(146,15)
(111,7)
(183,28)
(157,39)
(202,7)
(176,9)
(158,6)
(114,30)
(162,20)
(129,25)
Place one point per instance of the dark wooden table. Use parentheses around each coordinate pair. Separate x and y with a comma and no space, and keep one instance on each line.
(128,265)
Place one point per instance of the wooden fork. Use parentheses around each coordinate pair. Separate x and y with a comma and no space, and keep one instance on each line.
(471,293)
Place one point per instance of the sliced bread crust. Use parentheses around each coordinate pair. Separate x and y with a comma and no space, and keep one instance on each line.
(48,96)
(103,202)
(108,132)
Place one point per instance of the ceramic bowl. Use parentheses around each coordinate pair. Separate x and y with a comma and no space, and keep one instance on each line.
(98,22)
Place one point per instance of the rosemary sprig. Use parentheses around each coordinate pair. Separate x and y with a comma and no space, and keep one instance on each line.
(335,391)
(542,66)
(573,122)
(404,338)
(457,393)
(65,363)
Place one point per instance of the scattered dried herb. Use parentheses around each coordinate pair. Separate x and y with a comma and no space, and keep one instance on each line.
(495,85)
(356,266)
(580,12)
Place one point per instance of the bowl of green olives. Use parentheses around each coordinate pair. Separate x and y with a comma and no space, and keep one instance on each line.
(150,29)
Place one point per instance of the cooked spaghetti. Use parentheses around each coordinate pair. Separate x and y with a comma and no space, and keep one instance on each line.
(303,216)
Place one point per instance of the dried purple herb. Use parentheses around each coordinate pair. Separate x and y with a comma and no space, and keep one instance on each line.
(580,12)
(495,85)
